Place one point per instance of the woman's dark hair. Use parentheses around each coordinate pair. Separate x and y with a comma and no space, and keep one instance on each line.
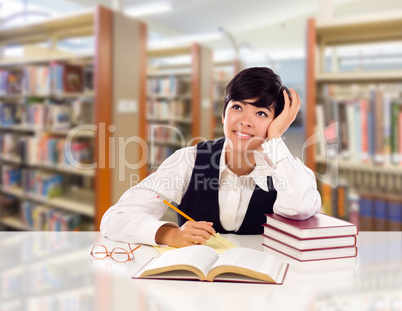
(257,82)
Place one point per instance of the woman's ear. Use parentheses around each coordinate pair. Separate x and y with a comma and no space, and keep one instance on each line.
(223,119)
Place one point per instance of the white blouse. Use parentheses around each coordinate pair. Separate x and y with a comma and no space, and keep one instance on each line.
(135,217)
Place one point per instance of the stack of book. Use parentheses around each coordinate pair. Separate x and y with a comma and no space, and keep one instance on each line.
(317,238)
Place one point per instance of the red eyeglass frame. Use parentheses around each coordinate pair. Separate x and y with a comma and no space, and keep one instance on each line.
(115,251)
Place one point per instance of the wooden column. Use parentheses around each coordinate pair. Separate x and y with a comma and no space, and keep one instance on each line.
(202,91)
(310,92)
(195,89)
(129,103)
(143,92)
(103,81)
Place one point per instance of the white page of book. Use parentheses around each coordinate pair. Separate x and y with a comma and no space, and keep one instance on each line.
(199,256)
(251,259)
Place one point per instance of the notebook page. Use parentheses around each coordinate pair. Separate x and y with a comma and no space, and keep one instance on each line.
(219,244)
(199,256)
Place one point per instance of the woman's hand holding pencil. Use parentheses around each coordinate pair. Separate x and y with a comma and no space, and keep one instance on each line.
(192,232)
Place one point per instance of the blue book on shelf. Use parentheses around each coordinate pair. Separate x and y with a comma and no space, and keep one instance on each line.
(7,114)
(394,216)
(380,215)
(366,213)
(358,128)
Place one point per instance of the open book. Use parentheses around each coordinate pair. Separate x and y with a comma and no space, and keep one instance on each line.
(200,262)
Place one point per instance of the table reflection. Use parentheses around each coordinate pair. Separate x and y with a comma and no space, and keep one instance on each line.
(46,271)
(54,271)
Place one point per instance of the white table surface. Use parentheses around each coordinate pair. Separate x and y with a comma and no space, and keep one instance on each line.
(54,271)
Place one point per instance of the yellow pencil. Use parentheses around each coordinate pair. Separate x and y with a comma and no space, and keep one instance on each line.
(184,215)
(177,210)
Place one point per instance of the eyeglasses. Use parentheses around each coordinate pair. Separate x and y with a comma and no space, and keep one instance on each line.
(117,254)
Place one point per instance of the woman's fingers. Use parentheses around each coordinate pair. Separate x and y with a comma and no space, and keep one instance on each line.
(196,232)
(203,225)
(295,102)
(196,239)
(287,100)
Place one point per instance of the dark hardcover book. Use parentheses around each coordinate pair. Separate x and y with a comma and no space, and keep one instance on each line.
(311,254)
(310,243)
(366,212)
(319,225)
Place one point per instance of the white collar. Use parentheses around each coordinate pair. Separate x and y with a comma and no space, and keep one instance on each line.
(258,174)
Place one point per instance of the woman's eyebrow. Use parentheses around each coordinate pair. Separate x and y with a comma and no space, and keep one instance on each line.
(268,108)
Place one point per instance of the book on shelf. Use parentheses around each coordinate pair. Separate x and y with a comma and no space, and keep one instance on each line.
(44,218)
(380,212)
(37,80)
(200,262)
(335,200)
(396,130)
(168,109)
(58,116)
(42,184)
(168,86)
(158,154)
(88,78)
(9,145)
(45,80)
(164,133)
(317,226)
(309,243)
(320,126)
(369,127)
(310,254)
(8,114)
(14,81)
(67,78)
(34,113)
(3,82)
(158,108)
(82,111)
(80,152)
(50,151)
(8,205)
(11,176)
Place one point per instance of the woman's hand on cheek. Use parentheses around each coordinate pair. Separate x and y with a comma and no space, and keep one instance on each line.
(282,122)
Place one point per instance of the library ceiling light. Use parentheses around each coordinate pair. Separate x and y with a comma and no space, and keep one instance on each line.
(148,9)
(184,40)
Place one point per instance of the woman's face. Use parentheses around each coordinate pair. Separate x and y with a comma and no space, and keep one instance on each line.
(245,125)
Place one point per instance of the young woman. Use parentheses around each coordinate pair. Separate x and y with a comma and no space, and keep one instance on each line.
(229,184)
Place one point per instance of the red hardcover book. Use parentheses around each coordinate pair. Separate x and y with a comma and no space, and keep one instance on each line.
(73,79)
(364,130)
(311,254)
(310,243)
(317,226)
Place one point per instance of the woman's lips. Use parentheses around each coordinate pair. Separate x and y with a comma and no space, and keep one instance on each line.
(242,135)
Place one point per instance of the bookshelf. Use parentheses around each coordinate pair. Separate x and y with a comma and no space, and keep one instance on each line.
(223,73)
(71,123)
(358,161)
(179,101)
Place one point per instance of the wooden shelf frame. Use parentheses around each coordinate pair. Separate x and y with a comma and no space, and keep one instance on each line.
(80,205)
(119,62)
(319,35)
(200,73)
(236,66)
(363,29)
